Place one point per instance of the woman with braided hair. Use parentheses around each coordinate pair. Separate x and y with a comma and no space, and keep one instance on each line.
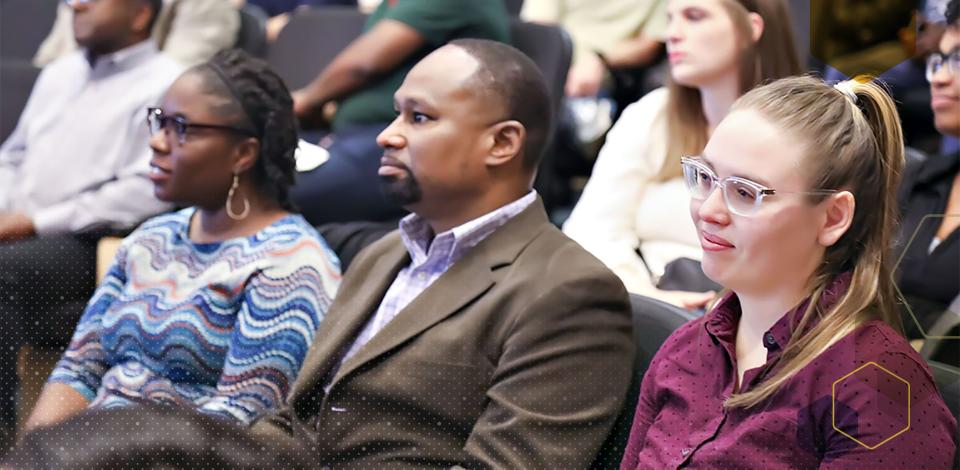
(212,307)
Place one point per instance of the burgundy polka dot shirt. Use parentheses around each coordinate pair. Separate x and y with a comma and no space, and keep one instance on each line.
(848,408)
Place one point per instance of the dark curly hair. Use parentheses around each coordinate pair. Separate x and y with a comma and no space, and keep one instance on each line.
(953,13)
(257,99)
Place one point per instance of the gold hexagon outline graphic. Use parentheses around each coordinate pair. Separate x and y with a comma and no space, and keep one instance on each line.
(896,265)
(833,405)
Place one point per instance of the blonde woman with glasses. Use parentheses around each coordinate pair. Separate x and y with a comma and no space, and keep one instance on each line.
(801,363)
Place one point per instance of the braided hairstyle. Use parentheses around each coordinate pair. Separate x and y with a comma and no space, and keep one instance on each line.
(257,99)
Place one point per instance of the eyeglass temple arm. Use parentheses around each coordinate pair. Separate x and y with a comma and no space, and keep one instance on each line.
(812,192)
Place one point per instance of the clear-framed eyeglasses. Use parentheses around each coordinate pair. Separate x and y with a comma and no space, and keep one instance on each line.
(157,121)
(742,196)
(937,61)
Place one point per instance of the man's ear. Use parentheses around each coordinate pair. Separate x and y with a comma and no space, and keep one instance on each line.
(756,26)
(508,139)
(141,22)
(245,155)
(839,215)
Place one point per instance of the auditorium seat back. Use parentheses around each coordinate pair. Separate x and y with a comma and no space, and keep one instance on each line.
(23,26)
(653,322)
(514,6)
(16,79)
(943,333)
(800,20)
(252,34)
(310,41)
(348,239)
(947,378)
(550,48)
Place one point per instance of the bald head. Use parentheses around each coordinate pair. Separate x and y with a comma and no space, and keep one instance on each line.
(512,82)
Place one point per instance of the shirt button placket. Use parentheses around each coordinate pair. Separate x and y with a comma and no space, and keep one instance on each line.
(684,455)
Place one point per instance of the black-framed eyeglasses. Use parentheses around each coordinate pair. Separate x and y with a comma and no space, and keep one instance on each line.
(157,121)
(742,196)
(937,61)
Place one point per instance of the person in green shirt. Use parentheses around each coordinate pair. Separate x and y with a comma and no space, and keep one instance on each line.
(361,81)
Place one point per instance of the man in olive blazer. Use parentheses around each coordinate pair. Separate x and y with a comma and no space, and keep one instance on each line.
(518,354)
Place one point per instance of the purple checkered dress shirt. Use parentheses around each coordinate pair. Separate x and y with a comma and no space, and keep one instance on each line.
(429,259)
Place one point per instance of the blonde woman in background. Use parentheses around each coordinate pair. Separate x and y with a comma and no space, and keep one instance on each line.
(632,212)
(802,364)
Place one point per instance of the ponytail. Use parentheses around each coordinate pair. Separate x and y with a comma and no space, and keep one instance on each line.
(854,144)
(880,114)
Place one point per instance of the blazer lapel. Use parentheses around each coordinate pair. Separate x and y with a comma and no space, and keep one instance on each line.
(350,311)
(455,288)
(466,280)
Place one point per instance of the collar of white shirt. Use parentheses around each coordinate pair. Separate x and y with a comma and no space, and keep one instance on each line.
(124,58)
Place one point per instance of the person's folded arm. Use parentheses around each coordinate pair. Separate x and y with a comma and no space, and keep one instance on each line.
(542,11)
(119,203)
(12,153)
(373,54)
(638,51)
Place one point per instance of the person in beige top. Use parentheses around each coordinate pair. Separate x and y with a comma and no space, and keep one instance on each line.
(628,33)
(187,31)
(631,213)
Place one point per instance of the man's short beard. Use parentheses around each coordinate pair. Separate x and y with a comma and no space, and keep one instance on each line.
(402,191)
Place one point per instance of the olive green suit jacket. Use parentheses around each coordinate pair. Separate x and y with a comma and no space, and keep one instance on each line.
(519,356)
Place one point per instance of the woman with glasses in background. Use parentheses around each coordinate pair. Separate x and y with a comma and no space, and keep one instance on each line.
(629,215)
(212,307)
(929,271)
(801,363)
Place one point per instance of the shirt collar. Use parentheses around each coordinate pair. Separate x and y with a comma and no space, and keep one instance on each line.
(124,58)
(421,244)
(723,321)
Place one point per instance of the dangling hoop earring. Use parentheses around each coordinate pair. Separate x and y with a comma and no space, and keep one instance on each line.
(246,204)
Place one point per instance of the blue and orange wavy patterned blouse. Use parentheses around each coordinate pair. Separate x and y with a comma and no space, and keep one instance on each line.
(223,327)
